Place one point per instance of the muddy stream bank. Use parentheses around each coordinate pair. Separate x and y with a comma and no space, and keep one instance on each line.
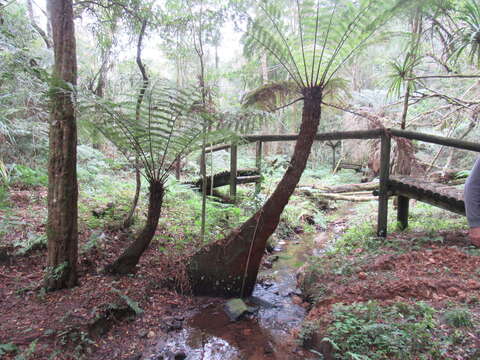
(266,333)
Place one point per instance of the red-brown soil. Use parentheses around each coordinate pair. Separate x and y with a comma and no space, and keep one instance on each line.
(443,274)
(62,322)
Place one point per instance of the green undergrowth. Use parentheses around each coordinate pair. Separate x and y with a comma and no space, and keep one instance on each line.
(107,188)
(22,175)
(426,220)
(369,331)
(181,216)
(372,330)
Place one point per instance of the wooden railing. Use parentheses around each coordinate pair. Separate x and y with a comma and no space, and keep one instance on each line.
(385,134)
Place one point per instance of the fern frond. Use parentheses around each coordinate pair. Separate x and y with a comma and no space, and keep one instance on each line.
(270,96)
(168,127)
(329,33)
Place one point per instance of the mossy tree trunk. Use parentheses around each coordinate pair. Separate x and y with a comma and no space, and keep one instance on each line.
(62,228)
(229,267)
(128,260)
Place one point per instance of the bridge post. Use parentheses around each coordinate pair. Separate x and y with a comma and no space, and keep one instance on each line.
(402,212)
(233,171)
(258,164)
(386,144)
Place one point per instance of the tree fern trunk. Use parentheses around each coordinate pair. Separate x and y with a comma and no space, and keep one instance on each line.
(229,267)
(128,221)
(127,262)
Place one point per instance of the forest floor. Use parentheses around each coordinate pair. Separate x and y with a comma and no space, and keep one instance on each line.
(105,317)
(431,280)
(415,293)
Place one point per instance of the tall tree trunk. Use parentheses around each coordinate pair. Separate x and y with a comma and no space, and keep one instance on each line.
(62,227)
(128,260)
(229,267)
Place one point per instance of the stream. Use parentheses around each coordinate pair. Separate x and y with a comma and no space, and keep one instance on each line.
(264,334)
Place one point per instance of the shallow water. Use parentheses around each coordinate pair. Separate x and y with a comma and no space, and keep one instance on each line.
(263,334)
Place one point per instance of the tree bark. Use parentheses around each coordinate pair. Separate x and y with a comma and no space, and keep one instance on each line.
(62,227)
(128,260)
(229,267)
(128,221)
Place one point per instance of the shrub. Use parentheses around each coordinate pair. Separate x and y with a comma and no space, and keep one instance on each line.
(26,176)
(401,331)
(458,318)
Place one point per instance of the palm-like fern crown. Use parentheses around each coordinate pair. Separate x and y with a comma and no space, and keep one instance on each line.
(470,33)
(166,125)
(329,33)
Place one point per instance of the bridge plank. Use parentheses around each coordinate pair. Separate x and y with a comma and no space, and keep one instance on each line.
(445,197)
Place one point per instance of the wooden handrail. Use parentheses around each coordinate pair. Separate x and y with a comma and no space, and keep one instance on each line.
(440,140)
(360,134)
(337,135)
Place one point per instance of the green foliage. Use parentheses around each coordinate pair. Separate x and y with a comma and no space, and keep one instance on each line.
(185,226)
(22,82)
(297,212)
(3,197)
(33,242)
(370,331)
(57,271)
(361,235)
(162,129)
(307,331)
(8,348)
(322,175)
(29,352)
(458,318)
(329,33)
(130,302)
(431,219)
(400,71)
(26,176)
(468,36)
(462,174)
(5,177)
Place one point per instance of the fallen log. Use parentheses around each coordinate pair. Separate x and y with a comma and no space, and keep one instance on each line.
(368,186)
(334,196)
(222,179)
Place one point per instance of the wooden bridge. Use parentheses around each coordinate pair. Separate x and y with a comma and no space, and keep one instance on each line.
(404,187)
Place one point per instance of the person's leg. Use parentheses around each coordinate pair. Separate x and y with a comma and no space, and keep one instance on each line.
(472,203)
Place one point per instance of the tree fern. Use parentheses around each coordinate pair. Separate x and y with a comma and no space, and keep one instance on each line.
(169,126)
(329,33)
(468,36)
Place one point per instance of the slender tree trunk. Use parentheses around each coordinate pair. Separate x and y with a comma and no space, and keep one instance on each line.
(229,267)
(127,262)
(99,92)
(62,227)
(128,221)
(267,146)
(37,28)
(406,99)
(178,168)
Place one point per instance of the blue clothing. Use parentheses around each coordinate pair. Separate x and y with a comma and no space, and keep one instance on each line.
(472,196)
